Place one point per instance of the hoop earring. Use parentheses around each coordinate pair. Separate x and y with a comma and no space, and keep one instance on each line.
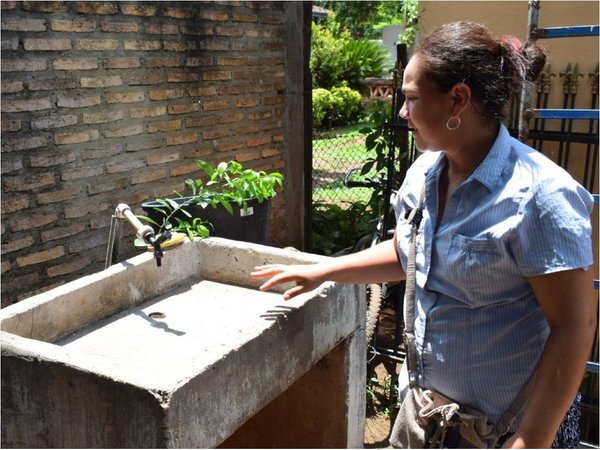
(458,122)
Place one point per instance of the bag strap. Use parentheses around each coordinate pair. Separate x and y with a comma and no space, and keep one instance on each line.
(414,219)
(412,360)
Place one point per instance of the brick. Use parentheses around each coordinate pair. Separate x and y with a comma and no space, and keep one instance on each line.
(36,104)
(261,140)
(182,77)
(100,185)
(99,222)
(215,105)
(197,30)
(97,44)
(145,145)
(41,257)
(28,143)
(102,152)
(222,61)
(101,82)
(62,232)
(179,46)
(122,63)
(125,166)
(165,94)
(75,64)
(68,268)
(132,130)
(102,117)
(184,169)
(270,20)
(51,160)
(144,79)
(229,31)
(119,27)
(138,10)
(270,152)
(47,44)
(32,221)
(172,125)
(192,122)
(23,24)
(161,28)
(36,6)
(182,139)
(148,112)
(24,65)
(202,91)
(100,8)
(142,45)
(247,102)
(14,203)
(57,196)
(44,123)
(247,18)
(214,16)
(10,125)
(13,284)
(217,45)
(5,267)
(96,240)
(77,211)
(244,157)
(11,165)
(81,172)
(51,84)
(216,133)
(77,102)
(9,44)
(177,13)
(148,177)
(217,75)
(73,26)
(163,158)
(17,244)
(199,61)
(8,4)
(76,138)
(185,108)
(230,118)
(262,115)
(29,183)
(125,97)
(164,62)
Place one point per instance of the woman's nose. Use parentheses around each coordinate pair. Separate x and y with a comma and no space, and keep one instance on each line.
(404,111)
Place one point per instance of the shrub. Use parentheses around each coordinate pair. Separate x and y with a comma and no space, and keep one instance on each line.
(339,106)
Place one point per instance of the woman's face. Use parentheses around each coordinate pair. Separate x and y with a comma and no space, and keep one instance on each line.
(425,108)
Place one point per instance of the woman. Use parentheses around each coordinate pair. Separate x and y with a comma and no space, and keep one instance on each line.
(503,280)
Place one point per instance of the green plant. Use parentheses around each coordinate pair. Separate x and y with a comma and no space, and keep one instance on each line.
(321,105)
(382,396)
(228,182)
(338,106)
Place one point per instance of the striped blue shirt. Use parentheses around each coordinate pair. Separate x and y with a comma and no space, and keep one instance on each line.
(480,331)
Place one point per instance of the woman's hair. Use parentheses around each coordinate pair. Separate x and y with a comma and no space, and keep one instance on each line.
(493,68)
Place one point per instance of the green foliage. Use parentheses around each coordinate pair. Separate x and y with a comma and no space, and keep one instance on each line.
(336,228)
(382,396)
(343,59)
(340,106)
(229,182)
(410,10)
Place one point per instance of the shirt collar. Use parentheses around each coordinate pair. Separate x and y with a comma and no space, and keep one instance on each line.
(489,170)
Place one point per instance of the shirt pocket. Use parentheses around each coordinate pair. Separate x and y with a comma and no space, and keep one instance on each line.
(473,263)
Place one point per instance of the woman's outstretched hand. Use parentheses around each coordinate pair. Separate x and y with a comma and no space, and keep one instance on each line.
(306,277)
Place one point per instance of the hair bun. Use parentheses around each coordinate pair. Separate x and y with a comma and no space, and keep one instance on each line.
(536,59)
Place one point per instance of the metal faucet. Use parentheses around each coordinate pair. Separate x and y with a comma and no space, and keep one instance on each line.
(144,232)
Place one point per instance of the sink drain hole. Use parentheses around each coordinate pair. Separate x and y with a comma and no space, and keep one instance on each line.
(157,315)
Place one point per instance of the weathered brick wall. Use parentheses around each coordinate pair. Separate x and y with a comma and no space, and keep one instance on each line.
(110,102)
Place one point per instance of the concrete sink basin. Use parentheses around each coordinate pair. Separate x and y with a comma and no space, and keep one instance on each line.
(189,354)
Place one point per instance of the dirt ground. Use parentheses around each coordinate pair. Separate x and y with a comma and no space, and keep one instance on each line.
(379,420)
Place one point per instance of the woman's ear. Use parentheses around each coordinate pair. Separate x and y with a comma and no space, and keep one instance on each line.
(461,97)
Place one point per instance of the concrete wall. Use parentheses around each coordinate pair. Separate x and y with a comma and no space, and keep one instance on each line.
(110,102)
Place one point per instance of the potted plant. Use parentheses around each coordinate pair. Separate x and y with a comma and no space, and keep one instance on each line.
(234,203)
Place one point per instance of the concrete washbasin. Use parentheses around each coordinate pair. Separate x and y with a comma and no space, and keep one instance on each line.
(189,354)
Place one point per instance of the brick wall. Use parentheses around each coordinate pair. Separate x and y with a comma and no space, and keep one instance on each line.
(110,102)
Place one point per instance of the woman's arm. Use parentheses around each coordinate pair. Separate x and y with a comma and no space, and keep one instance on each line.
(568,301)
(373,265)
